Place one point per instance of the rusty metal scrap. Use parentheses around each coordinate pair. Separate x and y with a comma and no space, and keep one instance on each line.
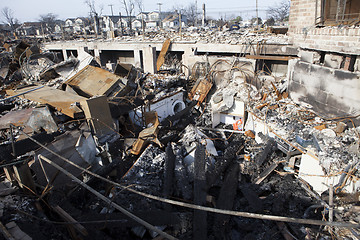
(200,90)
(148,134)
(35,118)
(93,81)
(64,102)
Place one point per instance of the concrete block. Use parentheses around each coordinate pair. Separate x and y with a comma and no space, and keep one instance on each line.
(137,59)
(149,59)
(333,61)
(357,65)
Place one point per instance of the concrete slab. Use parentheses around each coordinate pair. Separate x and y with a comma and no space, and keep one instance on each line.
(149,59)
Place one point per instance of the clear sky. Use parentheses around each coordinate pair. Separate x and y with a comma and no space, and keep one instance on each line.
(29,10)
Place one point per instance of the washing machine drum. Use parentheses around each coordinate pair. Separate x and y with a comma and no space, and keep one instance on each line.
(177,106)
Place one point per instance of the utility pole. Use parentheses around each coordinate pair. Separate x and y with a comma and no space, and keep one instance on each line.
(121,25)
(196,14)
(203,15)
(257,16)
(180,25)
(111,6)
(160,23)
(142,21)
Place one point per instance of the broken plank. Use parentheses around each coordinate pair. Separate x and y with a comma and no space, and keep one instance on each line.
(61,100)
(161,58)
(66,217)
(98,115)
(266,173)
(24,178)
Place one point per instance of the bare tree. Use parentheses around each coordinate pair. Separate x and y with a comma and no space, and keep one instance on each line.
(192,13)
(94,13)
(48,22)
(178,8)
(8,16)
(128,6)
(280,12)
(140,6)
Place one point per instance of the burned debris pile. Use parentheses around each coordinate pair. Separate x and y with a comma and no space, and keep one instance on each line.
(215,150)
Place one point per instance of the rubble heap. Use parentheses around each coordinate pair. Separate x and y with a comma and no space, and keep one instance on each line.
(217,152)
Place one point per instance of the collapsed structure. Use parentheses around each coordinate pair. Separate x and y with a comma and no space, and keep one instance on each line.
(183,140)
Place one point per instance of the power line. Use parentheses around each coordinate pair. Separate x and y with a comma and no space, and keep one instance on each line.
(252,7)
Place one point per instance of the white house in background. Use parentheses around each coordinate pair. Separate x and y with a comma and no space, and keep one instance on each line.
(57,28)
(110,23)
(137,23)
(154,16)
(29,28)
(74,25)
(79,24)
(142,16)
(123,21)
(173,21)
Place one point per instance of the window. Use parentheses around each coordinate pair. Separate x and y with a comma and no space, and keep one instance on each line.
(336,12)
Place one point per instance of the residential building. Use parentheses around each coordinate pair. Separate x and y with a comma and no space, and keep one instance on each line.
(30,29)
(173,21)
(328,35)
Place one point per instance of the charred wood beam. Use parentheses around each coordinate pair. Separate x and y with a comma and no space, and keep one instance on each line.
(269,148)
(200,217)
(67,217)
(266,173)
(226,201)
(169,172)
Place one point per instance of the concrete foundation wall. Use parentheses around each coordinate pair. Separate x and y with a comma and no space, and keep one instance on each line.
(330,91)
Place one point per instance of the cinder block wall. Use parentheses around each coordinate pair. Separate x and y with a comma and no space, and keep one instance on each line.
(331,92)
(304,34)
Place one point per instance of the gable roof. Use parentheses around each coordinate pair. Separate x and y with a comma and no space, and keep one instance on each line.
(171,17)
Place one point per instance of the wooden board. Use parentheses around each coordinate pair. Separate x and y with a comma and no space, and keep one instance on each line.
(161,58)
